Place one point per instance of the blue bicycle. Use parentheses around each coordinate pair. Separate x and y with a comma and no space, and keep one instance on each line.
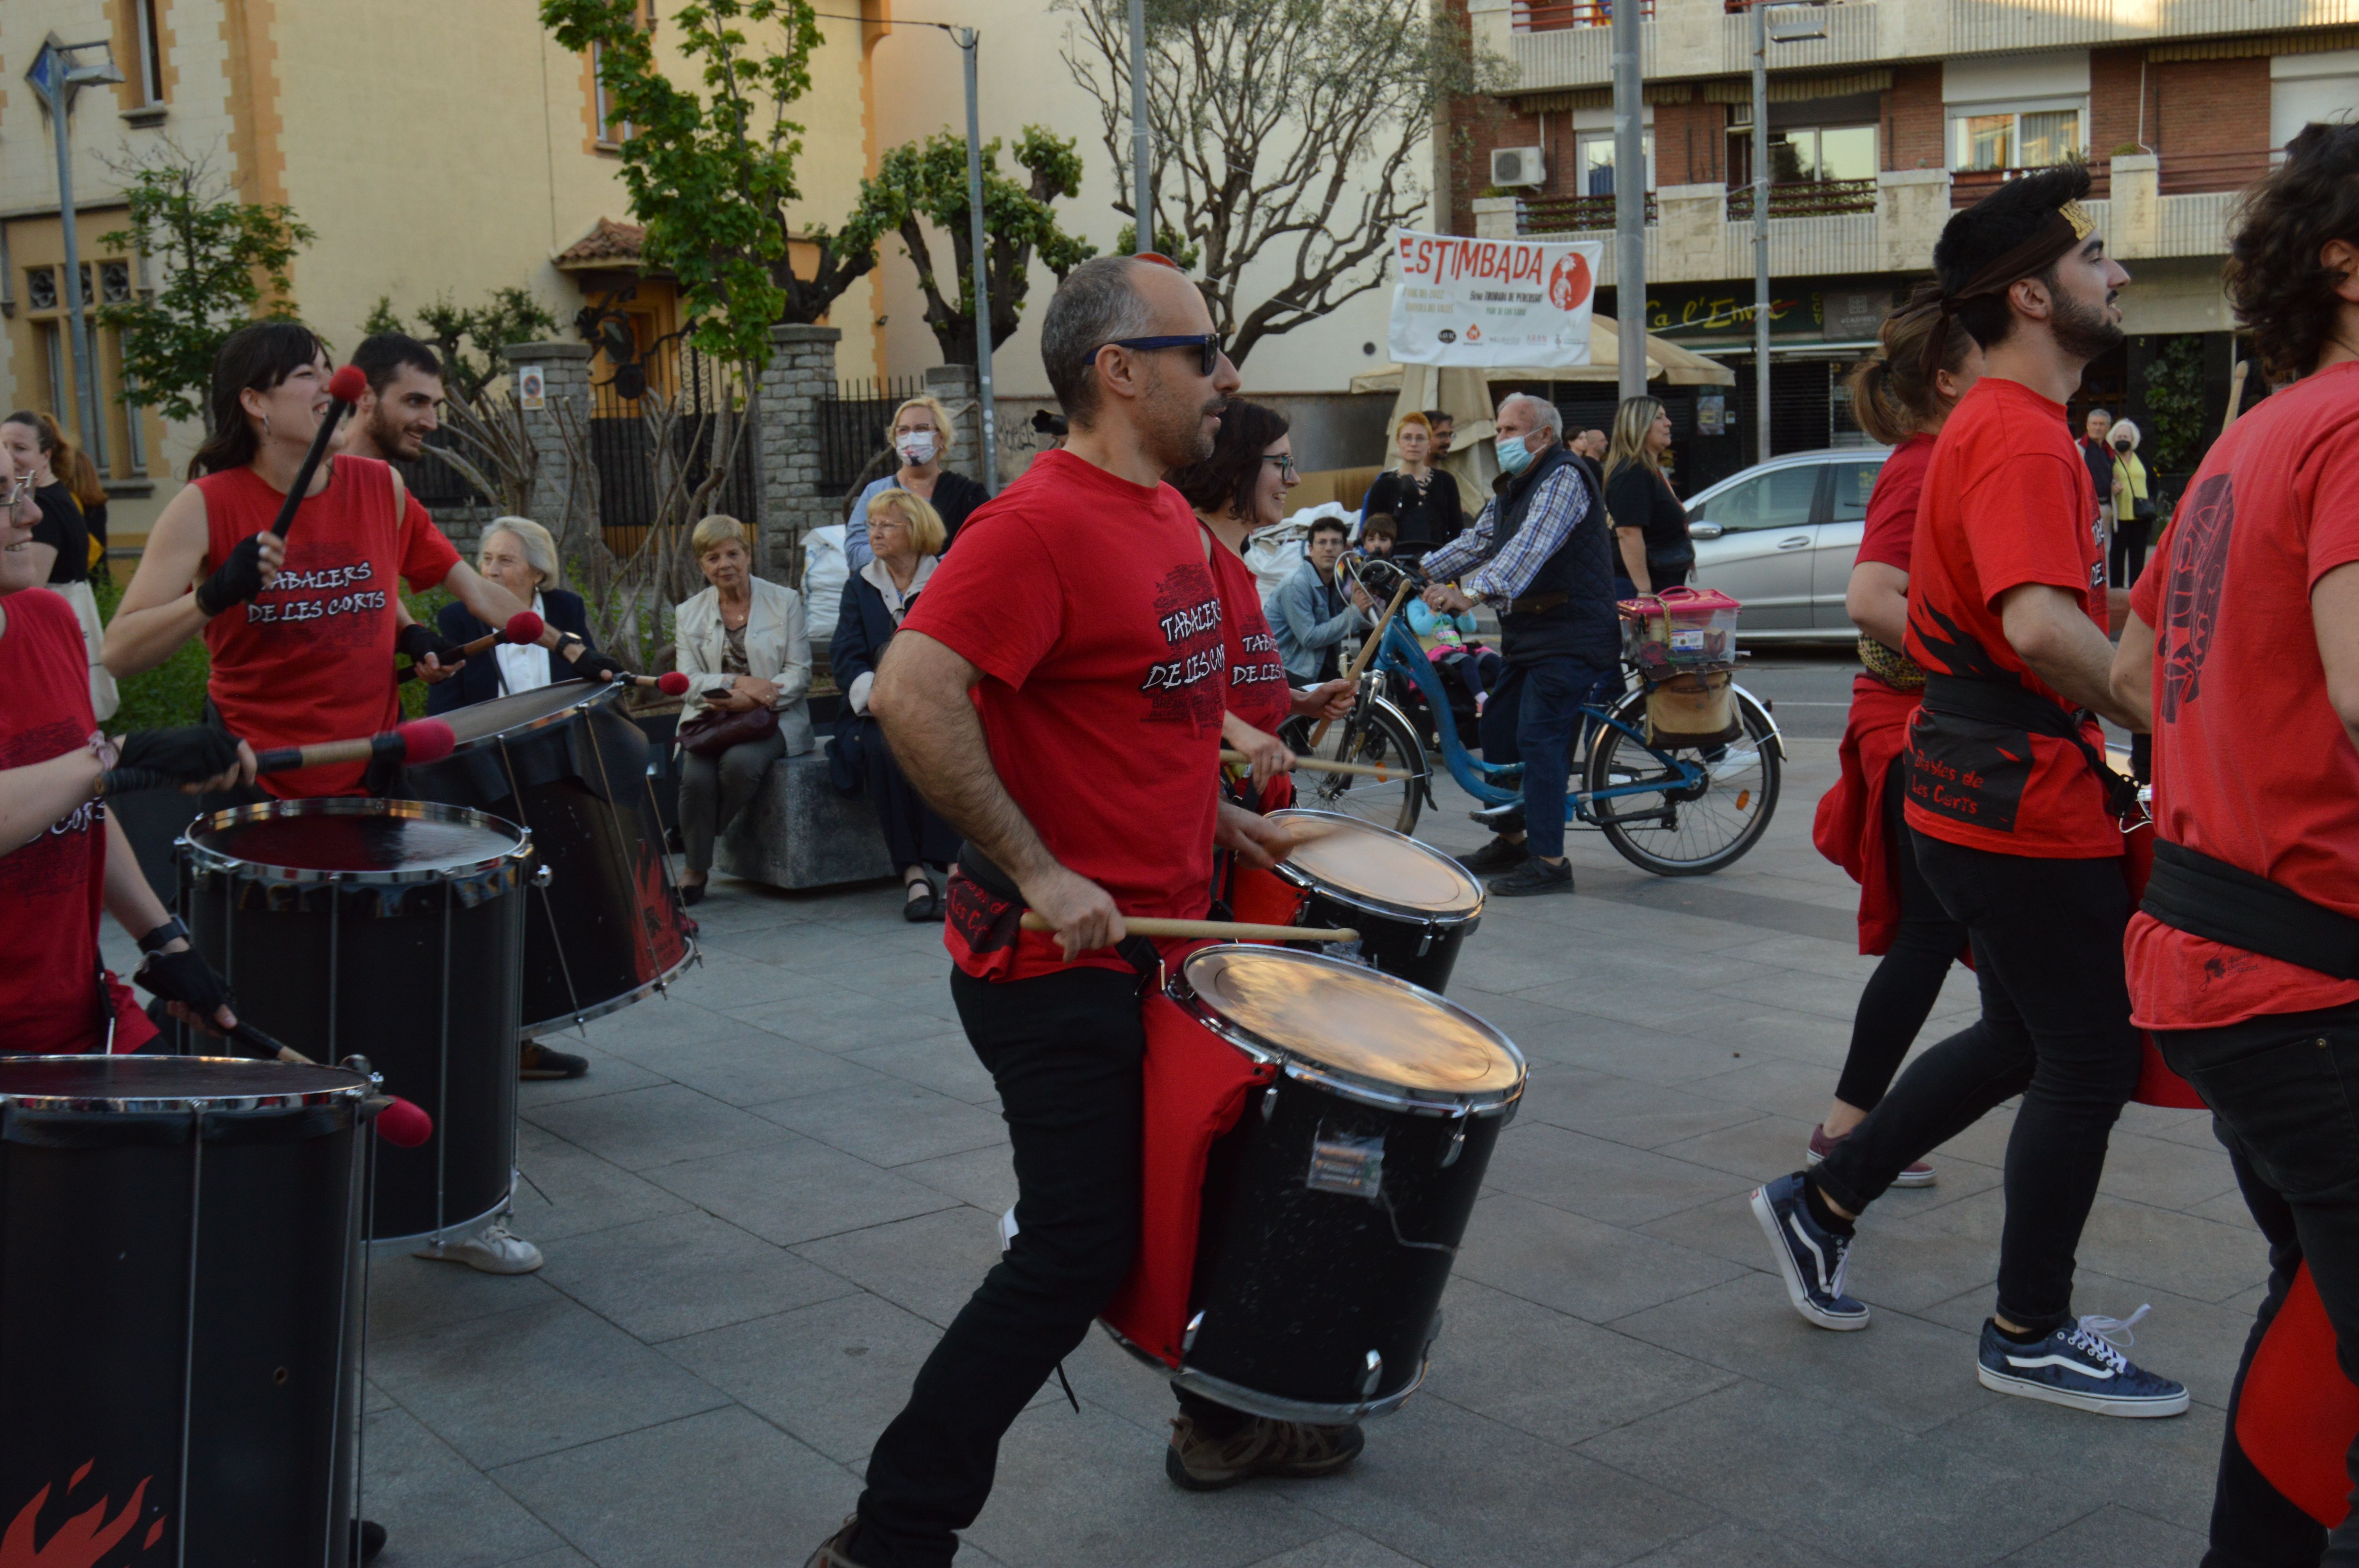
(1677,812)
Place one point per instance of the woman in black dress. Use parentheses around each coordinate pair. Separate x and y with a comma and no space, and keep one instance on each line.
(1421,500)
(1650,527)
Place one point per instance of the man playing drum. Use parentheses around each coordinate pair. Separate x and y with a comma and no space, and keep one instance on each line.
(1057,696)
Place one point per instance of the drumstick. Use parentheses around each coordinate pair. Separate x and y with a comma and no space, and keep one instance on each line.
(1367,651)
(1233,930)
(2235,394)
(1313,766)
(671,683)
(400,1122)
(414,744)
(344,389)
(524,626)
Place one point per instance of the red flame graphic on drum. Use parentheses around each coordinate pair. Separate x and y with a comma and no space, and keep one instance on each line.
(83,1540)
(1569,282)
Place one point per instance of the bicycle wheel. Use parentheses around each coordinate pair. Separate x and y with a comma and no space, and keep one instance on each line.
(1685,830)
(1374,734)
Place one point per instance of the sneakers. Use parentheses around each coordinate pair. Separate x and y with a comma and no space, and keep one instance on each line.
(491,1249)
(1283,1448)
(1919,1175)
(835,1550)
(1498,855)
(1535,875)
(537,1061)
(2078,1366)
(1812,1260)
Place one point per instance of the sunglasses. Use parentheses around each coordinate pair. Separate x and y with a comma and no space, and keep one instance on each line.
(1207,344)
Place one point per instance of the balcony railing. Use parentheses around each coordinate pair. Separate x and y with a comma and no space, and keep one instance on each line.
(1806,199)
(1548,16)
(1568,214)
(1968,186)
(2196,174)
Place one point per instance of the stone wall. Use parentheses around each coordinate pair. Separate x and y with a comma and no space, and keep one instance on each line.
(802,371)
(565,377)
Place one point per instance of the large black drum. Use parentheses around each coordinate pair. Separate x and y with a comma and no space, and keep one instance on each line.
(1332,1211)
(607,928)
(180,1291)
(393,929)
(1413,907)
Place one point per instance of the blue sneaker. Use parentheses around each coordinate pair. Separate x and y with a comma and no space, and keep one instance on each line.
(1811,1259)
(2079,1367)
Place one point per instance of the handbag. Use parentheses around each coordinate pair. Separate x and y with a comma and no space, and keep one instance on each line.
(711,732)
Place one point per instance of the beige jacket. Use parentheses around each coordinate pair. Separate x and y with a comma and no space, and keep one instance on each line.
(778,649)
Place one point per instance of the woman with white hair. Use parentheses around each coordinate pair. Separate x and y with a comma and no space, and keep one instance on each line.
(518,554)
(2134,508)
(922,433)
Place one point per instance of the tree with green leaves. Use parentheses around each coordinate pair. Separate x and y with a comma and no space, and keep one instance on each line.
(215,254)
(926,182)
(710,173)
(468,341)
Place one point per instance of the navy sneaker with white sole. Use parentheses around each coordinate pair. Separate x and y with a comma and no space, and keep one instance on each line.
(1811,1259)
(2078,1368)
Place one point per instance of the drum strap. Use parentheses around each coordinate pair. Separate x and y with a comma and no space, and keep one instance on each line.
(1138,952)
(2193,892)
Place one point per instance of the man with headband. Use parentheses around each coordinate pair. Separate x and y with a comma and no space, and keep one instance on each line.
(2011,809)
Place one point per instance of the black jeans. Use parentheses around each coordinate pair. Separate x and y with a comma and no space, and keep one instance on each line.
(2126,558)
(1908,981)
(1064,1051)
(2055,1028)
(2280,1090)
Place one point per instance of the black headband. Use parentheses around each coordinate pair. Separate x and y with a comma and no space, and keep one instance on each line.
(2066,227)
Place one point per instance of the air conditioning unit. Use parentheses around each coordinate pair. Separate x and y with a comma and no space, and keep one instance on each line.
(1516,166)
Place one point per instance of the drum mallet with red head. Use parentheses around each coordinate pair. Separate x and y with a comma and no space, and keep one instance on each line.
(671,683)
(346,387)
(522,627)
(400,1122)
(414,744)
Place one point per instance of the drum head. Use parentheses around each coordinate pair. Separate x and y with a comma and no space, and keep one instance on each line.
(136,1083)
(360,840)
(1374,866)
(1354,1021)
(524,709)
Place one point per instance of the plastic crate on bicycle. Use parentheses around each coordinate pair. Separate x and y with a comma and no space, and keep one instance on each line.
(1682,641)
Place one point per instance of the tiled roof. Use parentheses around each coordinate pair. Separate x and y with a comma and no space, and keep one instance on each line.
(606,244)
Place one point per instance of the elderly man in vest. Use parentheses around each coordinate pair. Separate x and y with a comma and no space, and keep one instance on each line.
(1541,555)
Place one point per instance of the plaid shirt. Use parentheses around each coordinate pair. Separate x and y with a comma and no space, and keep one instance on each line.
(1558,504)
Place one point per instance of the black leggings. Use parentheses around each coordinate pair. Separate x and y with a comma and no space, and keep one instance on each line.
(1900,994)
(2126,558)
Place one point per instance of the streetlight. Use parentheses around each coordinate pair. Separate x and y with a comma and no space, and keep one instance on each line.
(1629,199)
(56,78)
(969,45)
(1143,200)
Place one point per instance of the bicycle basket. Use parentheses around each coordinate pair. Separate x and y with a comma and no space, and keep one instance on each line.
(1695,708)
(1680,629)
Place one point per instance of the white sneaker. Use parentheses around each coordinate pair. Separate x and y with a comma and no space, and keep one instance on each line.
(491,1249)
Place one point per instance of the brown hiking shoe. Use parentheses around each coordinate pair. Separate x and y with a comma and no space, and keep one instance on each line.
(1283,1448)
(835,1550)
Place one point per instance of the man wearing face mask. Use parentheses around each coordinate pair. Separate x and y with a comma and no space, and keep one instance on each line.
(922,433)
(1541,555)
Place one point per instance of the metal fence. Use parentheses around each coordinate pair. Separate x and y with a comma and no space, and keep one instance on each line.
(1805,198)
(854,427)
(438,485)
(622,449)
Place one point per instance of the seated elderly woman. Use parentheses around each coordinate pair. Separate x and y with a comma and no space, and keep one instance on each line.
(518,554)
(905,534)
(743,645)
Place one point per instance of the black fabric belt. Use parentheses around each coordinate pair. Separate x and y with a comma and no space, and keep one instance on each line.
(1536,603)
(2193,893)
(2018,708)
(1139,952)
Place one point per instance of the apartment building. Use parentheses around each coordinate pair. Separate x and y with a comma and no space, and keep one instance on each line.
(1885,116)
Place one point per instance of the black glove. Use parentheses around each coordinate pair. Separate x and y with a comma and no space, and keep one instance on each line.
(183,977)
(592,665)
(417,640)
(187,756)
(239,579)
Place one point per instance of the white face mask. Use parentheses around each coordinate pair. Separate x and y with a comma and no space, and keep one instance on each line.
(916,447)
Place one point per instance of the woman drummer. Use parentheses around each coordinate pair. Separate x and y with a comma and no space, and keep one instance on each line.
(1860,825)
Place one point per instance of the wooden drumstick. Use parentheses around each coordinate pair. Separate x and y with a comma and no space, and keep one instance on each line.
(1367,651)
(1314,766)
(2235,394)
(1230,930)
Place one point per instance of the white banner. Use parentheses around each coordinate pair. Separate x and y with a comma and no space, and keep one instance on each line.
(1492,302)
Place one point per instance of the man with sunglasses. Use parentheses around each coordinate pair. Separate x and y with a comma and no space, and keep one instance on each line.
(1079,618)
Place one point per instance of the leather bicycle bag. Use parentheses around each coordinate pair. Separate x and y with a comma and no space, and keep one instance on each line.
(2194,893)
(2017,707)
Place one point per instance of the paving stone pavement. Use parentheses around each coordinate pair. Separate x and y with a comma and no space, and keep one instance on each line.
(775,1187)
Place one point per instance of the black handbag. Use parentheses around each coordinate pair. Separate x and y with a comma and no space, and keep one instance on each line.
(711,732)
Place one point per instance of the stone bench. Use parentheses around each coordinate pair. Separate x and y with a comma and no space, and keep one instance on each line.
(798,833)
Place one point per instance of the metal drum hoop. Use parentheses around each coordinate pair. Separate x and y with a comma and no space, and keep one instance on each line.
(351,1093)
(592,695)
(1296,877)
(204,859)
(1349,1086)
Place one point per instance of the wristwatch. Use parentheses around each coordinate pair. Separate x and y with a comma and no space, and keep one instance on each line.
(169,932)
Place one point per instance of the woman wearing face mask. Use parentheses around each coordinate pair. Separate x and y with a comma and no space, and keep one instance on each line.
(922,433)
(1651,526)
(2133,506)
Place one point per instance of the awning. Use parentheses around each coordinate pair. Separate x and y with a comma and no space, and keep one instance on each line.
(1665,361)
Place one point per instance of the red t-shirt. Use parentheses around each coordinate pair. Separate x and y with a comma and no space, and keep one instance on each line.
(51,889)
(2005,502)
(2251,765)
(1088,605)
(311,658)
(1258,692)
(1892,506)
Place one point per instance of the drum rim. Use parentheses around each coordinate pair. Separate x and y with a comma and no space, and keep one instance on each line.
(1355,1086)
(204,858)
(592,694)
(1304,879)
(355,1091)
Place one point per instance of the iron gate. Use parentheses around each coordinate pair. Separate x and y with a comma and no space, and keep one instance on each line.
(853,425)
(620,440)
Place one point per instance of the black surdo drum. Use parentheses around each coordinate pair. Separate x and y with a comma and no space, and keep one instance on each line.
(180,1294)
(607,927)
(393,929)
(1333,1209)
(1413,907)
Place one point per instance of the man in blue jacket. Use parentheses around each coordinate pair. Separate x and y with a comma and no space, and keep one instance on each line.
(1315,610)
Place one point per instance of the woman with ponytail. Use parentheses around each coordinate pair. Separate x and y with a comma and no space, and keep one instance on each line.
(1860,825)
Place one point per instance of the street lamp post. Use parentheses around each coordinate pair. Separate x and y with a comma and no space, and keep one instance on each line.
(1629,199)
(968,46)
(1141,179)
(1761,230)
(57,79)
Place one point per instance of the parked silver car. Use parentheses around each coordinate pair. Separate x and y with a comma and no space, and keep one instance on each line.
(1780,537)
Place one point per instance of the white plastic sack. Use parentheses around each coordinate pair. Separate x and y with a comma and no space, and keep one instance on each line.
(825,571)
(1275,553)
